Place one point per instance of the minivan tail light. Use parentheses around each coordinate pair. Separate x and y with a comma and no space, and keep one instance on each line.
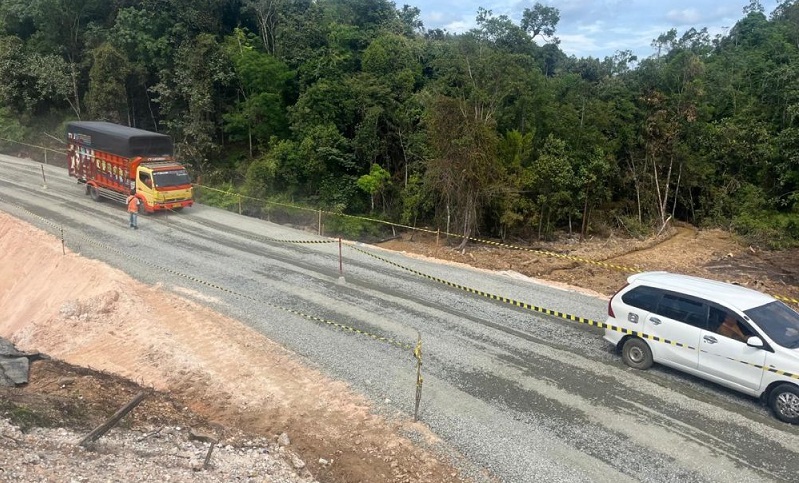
(610,302)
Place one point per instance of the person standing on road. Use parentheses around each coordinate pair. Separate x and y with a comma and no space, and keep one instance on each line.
(133,209)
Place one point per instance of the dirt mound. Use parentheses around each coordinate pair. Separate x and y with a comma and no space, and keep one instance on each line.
(106,321)
(712,254)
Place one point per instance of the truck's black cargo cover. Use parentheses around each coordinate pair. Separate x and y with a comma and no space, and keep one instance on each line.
(120,140)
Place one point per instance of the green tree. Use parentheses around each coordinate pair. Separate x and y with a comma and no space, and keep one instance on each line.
(541,20)
(33,83)
(513,207)
(464,171)
(107,97)
(374,183)
(260,111)
(10,128)
(187,97)
(553,183)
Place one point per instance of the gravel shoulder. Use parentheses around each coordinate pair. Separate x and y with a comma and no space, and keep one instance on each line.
(505,390)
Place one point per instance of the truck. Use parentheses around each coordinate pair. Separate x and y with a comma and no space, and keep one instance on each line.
(115,161)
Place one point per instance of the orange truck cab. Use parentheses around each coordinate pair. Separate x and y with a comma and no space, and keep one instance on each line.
(112,159)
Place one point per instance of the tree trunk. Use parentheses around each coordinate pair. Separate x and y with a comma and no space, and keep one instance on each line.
(631,166)
(466,229)
(448,219)
(676,189)
(540,223)
(584,226)
(75,104)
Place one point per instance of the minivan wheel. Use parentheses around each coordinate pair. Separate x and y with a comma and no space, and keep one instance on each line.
(636,354)
(784,401)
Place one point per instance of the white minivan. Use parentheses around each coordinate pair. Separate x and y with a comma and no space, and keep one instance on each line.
(734,336)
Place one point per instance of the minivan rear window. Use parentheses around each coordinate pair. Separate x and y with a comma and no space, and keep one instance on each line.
(692,312)
(642,297)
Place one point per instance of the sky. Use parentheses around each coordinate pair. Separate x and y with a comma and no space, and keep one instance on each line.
(597,28)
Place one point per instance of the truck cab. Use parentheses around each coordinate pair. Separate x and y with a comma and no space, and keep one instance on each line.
(163,185)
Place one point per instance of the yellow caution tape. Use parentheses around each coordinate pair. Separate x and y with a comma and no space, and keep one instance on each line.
(555,313)
(146,262)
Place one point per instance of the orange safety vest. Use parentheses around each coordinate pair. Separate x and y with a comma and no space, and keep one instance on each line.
(133,204)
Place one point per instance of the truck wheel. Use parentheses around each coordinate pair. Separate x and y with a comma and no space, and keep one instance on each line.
(636,354)
(784,401)
(94,193)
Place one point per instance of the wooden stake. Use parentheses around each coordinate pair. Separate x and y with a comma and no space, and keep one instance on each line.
(99,431)
(208,455)
(417,352)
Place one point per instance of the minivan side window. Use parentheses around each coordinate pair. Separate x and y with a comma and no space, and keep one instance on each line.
(691,311)
(642,297)
(735,329)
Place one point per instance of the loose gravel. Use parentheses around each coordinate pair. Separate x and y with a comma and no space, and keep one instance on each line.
(522,396)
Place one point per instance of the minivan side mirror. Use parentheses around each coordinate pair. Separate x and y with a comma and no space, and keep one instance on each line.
(755,342)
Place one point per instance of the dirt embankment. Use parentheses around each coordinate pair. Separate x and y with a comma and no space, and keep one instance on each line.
(226,374)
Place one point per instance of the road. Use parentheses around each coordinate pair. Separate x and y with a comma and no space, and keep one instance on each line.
(523,396)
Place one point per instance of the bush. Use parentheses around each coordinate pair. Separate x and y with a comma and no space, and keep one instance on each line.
(353,228)
(633,227)
(768,229)
(224,196)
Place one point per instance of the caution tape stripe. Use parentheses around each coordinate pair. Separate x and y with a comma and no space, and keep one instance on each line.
(573,258)
(758,366)
(562,315)
(506,300)
(786,299)
(192,278)
(266,238)
(398,225)
(525,305)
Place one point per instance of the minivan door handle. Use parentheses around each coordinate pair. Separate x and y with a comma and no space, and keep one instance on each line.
(710,339)
(655,321)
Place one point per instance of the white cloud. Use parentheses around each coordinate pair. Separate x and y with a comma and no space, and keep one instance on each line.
(593,28)
(435,17)
(578,44)
(458,26)
(685,16)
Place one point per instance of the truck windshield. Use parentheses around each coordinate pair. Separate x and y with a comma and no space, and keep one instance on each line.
(175,177)
(778,321)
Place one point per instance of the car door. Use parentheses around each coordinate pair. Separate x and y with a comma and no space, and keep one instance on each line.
(721,356)
(678,322)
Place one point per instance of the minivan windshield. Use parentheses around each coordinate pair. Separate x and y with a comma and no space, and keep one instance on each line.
(779,322)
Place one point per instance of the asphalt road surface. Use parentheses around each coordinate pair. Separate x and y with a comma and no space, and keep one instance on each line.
(523,396)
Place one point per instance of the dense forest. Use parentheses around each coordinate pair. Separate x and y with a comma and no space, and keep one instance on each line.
(353,106)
